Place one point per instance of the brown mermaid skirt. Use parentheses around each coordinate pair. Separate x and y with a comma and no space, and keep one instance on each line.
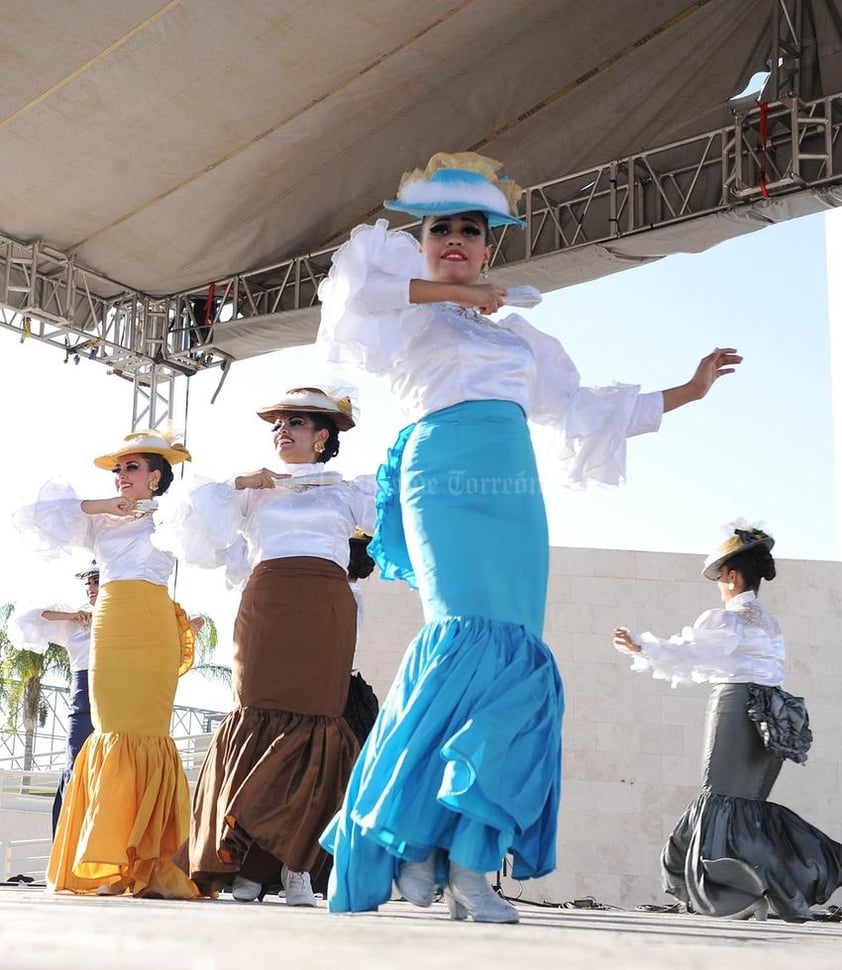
(279,763)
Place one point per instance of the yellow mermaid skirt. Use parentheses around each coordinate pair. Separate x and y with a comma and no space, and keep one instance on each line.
(127,807)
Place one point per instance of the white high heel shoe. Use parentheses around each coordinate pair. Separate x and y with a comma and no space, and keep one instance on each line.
(759,910)
(417,881)
(469,894)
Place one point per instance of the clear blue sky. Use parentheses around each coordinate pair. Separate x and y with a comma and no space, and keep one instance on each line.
(760,446)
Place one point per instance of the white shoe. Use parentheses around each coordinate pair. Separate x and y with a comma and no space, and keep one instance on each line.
(114,889)
(297,887)
(417,881)
(468,894)
(245,890)
(759,910)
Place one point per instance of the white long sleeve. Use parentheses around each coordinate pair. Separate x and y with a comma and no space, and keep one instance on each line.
(215,524)
(740,643)
(438,355)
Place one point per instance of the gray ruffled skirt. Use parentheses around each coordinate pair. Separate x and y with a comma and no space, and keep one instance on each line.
(732,848)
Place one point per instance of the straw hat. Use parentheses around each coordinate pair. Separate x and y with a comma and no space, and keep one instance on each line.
(311,400)
(743,536)
(460,182)
(144,442)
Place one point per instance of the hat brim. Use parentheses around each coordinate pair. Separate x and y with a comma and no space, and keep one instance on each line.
(271,414)
(494,216)
(174,457)
(87,573)
(712,566)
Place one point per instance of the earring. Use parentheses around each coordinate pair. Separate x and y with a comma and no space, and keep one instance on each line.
(731,586)
(153,487)
(319,447)
(484,271)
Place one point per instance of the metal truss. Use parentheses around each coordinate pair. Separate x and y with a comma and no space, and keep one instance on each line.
(769,150)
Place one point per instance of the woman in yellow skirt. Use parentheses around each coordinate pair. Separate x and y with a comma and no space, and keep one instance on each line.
(127,807)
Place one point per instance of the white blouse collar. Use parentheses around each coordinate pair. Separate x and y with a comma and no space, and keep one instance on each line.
(741,599)
(298,469)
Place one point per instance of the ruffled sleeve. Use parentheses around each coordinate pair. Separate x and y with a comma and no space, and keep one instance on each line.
(30,631)
(55,526)
(367,320)
(237,565)
(590,425)
(699,653)
(200,524)
(362,491)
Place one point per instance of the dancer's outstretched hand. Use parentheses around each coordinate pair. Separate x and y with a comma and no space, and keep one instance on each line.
(623,640)
(720,361)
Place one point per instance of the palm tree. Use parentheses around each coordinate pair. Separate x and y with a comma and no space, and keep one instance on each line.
(21,675)
(207,640)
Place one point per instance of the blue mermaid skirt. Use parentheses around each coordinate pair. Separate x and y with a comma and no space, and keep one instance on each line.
(465,755)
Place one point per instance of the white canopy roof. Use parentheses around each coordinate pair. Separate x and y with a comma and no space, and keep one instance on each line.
(169,144)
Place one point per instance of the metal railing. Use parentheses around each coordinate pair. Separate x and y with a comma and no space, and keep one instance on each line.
(48,744)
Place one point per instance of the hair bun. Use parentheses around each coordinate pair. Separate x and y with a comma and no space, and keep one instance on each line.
(765,563)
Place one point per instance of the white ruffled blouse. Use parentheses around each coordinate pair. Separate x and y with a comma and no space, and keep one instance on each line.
(122,546)
(213,524)
(438,355)
(741,643)
(30,631)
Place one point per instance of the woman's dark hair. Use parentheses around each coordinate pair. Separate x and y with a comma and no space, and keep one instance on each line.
(360,564)
(322,422)
(157,463)
(753,565)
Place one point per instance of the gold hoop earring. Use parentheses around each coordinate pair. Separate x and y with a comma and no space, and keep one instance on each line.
(484,271)
(319,447)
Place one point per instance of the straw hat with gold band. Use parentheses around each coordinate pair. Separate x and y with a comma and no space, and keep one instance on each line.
(311,400)
(144,442)
(743,537)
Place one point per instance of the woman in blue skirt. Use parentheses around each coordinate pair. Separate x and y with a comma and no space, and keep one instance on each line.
(463,764)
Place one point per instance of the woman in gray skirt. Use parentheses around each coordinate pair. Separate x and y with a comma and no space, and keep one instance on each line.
(732,853)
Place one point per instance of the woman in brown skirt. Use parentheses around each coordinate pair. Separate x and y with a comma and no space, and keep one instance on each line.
(278,765)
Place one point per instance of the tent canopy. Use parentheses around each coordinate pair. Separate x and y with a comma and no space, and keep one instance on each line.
(169,144)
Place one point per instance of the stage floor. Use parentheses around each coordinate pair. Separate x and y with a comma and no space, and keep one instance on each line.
(39,930)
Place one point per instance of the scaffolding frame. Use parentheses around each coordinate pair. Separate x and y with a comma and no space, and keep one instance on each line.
(772,148)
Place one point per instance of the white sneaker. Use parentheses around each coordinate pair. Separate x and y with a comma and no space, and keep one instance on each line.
(297,887)
(245,890)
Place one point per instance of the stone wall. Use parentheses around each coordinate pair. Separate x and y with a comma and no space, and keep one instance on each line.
(632,745)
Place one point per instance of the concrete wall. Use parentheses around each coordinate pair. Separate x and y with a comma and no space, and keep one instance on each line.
(632,745)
